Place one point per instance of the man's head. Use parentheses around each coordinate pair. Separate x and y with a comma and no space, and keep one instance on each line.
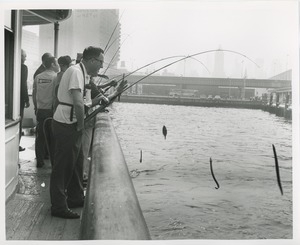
(23,56)
(45,56)
(93,59)
(64,62)
(51,64)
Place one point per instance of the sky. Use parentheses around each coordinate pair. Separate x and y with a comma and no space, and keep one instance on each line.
(264,31)
(260,30)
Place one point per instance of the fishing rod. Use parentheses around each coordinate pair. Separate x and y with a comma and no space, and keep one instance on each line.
(176,61)
(114,42)
(113,31)
(201,64)
(111,45)
(112,60)
(91,115)
(156,61)
(191,56)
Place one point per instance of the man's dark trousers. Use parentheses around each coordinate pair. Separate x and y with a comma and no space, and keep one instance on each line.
(40,141)
(66,177)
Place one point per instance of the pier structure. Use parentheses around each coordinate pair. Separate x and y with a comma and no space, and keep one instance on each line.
(111,210)
(238,88)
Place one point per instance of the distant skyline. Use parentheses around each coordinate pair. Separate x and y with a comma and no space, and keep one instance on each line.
(265,31)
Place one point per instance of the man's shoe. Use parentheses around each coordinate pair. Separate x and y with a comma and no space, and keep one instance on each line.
(76,205)
(21,148)
(40,164)
(66,214)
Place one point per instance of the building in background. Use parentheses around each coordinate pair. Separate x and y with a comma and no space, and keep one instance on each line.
(30,43)
(86,27)
(219,65)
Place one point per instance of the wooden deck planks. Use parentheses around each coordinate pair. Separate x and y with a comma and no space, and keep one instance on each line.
(72,228)
(28,212)
(27,223)
(41,227)
(28,217)
(29,220)
(14,216)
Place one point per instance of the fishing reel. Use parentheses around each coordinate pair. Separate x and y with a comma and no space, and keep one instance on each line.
(104,101)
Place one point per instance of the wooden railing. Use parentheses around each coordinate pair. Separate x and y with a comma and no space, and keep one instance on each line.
(111,210)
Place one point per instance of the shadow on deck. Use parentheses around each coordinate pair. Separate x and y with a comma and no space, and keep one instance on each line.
(28,214)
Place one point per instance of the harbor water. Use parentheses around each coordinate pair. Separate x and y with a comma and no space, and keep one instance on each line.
(172,176)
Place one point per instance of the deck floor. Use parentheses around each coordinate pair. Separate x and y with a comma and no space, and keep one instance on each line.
(28,215)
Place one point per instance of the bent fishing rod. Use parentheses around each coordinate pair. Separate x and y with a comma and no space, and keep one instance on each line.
(156,61)
(130,73)
(189,56)
(96,111)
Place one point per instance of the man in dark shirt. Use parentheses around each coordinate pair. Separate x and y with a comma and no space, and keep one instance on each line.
(24,100)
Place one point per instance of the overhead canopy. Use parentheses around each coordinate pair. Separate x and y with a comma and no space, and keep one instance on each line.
(39,17)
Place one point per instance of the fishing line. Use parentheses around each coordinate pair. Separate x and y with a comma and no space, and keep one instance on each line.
(112,60)
(176,61)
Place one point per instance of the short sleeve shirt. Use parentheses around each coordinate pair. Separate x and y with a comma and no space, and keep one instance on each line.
(73,78)
(44,83)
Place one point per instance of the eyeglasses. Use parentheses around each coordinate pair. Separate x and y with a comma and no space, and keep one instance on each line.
(101,61)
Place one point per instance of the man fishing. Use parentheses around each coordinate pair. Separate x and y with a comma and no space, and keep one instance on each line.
(66,190)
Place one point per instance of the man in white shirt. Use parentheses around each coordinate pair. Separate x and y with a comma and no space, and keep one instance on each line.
(66,190)
(43,98)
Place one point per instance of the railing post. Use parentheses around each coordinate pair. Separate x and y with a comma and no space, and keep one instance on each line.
(56,29)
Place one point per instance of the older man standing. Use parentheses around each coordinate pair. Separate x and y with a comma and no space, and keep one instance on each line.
(24,101)
(66,190)
(43,97)
(42,67)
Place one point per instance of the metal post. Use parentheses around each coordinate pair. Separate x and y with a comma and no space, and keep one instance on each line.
(56,28)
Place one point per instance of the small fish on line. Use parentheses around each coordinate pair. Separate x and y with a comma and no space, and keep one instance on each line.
(277,170)
(141,156)
(212,173)
(164,131)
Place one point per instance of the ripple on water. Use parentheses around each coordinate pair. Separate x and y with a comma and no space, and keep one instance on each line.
(247,206)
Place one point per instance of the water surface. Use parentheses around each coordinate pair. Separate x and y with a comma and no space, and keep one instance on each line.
(174,184)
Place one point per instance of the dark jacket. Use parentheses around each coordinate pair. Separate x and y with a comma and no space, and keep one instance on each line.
(24,90)
(39,70)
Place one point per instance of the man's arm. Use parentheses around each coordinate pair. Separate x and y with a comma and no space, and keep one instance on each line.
(121,86)
(78,108)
